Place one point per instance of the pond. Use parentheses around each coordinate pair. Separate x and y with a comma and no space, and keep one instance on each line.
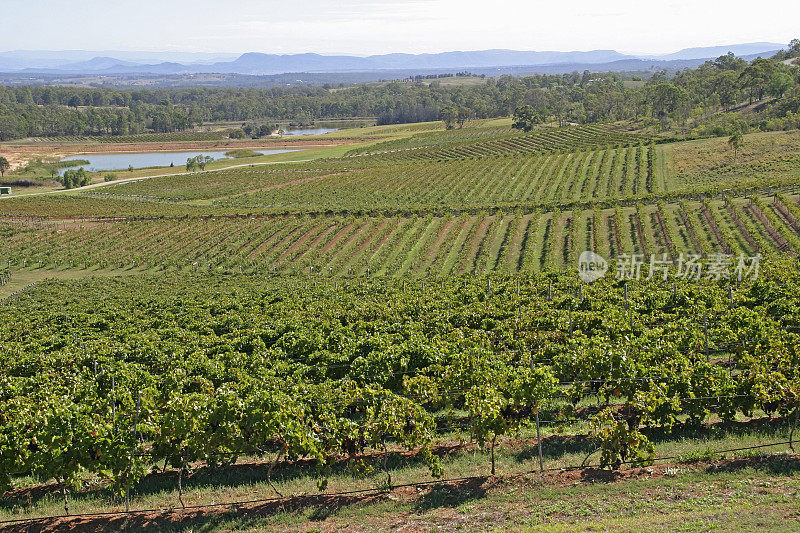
(310,131)
(101,162)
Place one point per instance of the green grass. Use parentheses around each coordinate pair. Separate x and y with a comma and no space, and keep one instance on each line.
(706,493)
(766,157)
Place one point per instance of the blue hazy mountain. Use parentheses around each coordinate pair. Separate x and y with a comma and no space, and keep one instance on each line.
(747,49)
(254,63)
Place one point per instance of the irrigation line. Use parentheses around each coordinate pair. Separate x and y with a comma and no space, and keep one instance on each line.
(359,491)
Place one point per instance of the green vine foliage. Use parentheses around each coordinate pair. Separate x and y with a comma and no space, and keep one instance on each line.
(293,368)
(619,443)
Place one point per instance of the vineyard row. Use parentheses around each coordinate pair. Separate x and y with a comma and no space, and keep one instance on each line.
(408,245)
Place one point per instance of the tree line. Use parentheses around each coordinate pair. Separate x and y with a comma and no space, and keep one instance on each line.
(688,99)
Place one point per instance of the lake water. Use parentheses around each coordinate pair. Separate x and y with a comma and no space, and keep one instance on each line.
(102,162)
(310,131)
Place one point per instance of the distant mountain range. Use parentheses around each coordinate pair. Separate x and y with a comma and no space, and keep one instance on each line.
(259,64)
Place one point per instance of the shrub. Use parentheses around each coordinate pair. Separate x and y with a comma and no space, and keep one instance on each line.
(75,178)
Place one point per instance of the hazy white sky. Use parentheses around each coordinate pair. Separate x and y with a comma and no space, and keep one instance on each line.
(367,27)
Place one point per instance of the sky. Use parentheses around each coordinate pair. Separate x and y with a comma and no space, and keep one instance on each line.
(359,27)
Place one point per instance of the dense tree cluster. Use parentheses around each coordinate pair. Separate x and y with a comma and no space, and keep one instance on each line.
(74,178)
(686,100)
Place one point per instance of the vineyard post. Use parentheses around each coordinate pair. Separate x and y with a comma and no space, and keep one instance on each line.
(705,334)
(539,438)
(113,403)
(550,291)
(180,481)
(494,441)
(136,417)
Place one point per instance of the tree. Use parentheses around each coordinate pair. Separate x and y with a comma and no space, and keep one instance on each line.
(736,140)
(464,114)
(666,99)
(200,162)
(729,62)
(526,117)
(4,165)
(267,129)
(726,87)
(449,116)
(756,77)
(779,84)
(75,178)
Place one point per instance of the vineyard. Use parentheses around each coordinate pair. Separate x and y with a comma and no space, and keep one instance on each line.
(420,245)
(408,316)
(492,142)
(136,138)
(291,368)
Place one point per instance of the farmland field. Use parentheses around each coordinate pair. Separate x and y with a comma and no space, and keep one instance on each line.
(398,326)
(510,212)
